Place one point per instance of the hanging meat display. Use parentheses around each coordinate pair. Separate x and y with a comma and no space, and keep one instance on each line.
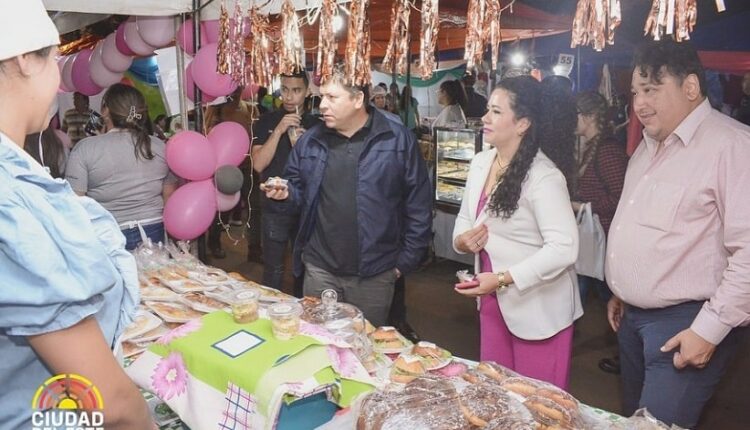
(664,14)
(261,68)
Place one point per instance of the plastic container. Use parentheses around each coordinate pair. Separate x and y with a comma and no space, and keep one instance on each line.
(244,306)
(285,319)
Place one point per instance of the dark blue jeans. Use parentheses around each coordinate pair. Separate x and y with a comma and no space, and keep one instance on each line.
(133,235)
(649,378)
(278,231)
(585,283)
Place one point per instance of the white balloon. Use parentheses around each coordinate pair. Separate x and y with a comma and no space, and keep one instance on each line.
(134,40)
(112,58)
(157,31)
(100,74)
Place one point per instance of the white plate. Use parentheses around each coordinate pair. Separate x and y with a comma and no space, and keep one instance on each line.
(144,321)
(159,294)
(209,276)
(190,286)
(130,349)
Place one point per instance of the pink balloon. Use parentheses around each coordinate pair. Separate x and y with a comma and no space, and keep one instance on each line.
(60,65)
(122,46)
(212,30)
(190,210)
(64,138)
(112,58)
(135,41)
(206,76)
(190,86)
(230,142)
(184,36)
(225,202)
(81,75)
(67,73)
(190,155)
(249,91)
(157,31)
(101,75)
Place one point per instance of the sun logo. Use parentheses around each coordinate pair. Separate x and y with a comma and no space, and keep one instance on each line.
(67,401)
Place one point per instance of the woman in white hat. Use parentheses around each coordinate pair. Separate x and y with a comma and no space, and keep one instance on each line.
(67,287)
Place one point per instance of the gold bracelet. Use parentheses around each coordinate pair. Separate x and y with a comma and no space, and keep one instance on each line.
(501,284)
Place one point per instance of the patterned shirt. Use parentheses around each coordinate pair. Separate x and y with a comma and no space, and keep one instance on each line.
(682,229)
(601,182)
(75,123)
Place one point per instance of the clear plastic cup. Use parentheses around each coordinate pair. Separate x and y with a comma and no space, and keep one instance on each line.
(245,306)
(285,319)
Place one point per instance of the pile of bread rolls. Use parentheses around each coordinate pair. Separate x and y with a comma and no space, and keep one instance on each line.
(485,397)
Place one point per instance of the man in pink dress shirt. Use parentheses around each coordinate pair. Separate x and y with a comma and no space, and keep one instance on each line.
(678,259)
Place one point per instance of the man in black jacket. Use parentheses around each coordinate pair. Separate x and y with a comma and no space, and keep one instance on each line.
(476,104)
(360,185)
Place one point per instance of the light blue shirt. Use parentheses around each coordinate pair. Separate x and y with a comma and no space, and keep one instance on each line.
(62,259)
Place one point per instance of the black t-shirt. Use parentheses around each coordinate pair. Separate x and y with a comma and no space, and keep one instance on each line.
(263,128)
(334,244)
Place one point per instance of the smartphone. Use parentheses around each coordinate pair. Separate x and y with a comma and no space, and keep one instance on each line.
(468,284)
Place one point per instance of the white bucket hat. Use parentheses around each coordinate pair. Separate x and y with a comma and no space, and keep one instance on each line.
(26,27)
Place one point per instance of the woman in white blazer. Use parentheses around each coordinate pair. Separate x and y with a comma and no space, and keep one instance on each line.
(517,220)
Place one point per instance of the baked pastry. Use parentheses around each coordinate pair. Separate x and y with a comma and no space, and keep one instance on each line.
(387,338)
(558,396)
(481,403)
(511,422)
(551,415)
(522,386)
(474,376)
(406,369)
(494,370)
(431,355)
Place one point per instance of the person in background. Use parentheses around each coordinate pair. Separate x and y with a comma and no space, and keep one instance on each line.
(275,135)
(243,113)
(366,156)
(601,173)
(48,150)
(125,169)
(81,121)
(516,219)
(452,97)
(742,113)
(377,98)
(69,288)
(393,98)
(476,104)
(678,256)
(408,111)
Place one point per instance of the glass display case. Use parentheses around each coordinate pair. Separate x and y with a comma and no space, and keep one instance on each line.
(454,148)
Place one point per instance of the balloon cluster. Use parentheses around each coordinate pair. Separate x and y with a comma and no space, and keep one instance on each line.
(210,163)
(91,70)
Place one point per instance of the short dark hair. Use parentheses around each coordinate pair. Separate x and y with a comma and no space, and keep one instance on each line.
(301,74)
(455,93)
(680,60)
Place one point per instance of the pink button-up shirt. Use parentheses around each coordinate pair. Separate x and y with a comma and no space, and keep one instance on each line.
(682,228)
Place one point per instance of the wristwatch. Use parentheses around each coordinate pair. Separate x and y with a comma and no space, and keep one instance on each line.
(501,284)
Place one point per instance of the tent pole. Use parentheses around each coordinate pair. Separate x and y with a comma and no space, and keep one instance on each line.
(198,109)
(578,69)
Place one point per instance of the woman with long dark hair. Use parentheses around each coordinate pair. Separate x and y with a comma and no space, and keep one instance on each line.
(452,97)
(125,169)
(516,219)
(48,150)
(69,288)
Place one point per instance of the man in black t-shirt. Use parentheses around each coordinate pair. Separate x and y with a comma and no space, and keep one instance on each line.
(274,135)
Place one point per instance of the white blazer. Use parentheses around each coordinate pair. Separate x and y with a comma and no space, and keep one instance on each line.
(538,245)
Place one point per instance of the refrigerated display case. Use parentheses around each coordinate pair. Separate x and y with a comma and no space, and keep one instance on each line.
(455,148)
